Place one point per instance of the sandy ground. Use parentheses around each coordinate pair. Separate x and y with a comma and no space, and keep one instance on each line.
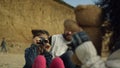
(11,60)
(14,60)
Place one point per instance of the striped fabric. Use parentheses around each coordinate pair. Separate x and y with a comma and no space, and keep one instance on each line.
(79,38)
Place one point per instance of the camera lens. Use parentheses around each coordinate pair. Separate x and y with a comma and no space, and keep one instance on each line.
(46,41)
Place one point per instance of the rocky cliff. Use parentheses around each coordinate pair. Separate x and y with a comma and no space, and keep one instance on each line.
(19,17)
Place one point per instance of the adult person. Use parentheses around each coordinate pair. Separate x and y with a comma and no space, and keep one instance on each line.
(39,46)
(3,45)
(85,49)
(59,43)
(87,55)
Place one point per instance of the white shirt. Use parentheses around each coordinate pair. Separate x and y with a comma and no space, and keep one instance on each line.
(59,45)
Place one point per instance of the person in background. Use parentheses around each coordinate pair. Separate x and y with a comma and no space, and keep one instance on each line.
(3,45)
(59,43)
(39,46)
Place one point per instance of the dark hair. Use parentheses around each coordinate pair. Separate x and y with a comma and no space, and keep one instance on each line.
(39,32)
(46,32)
(111,12)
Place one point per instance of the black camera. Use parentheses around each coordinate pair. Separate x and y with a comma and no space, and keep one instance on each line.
(42,41)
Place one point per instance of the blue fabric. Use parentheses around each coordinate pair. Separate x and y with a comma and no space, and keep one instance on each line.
(79,38)
(66,57)
(31,53)
(48,57)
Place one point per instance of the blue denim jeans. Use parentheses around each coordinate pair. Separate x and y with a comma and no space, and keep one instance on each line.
(66,57)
